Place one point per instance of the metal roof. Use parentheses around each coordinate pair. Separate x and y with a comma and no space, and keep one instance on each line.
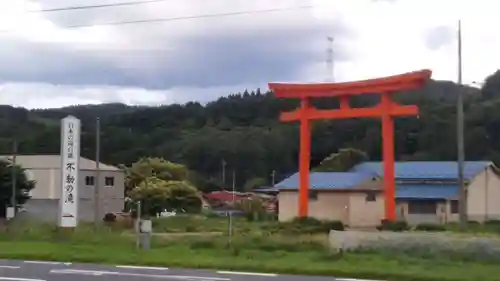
(265,189)
(326,180)
(332,181)
(426,191)
(422,170)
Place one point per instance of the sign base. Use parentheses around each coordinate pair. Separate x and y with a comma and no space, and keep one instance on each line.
(65,230)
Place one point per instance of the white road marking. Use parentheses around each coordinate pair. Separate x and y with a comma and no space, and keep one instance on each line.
(354,279)
(19,279)
(141,267)
(248,273)
(42,262)
(77,271)
(9,267)
(115,273)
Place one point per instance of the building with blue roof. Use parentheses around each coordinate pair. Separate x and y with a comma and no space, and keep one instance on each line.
(426,191)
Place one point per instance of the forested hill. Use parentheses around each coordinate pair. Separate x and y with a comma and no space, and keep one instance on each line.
(244,130)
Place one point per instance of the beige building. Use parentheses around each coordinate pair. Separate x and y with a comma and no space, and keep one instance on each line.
(426,192)
(438,202)
(45,170)
(355,199)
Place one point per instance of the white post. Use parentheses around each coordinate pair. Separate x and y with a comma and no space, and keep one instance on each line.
(230,230)
(97,183)
(70,168)
(138,225)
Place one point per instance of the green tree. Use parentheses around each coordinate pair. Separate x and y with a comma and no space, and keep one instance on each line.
(342,161)
(244,129)
(23,186)
(254,183)
(156,194)
(154,167)
(252,207)
(491,87)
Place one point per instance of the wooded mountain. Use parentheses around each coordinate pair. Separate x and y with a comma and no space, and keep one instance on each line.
(244,130)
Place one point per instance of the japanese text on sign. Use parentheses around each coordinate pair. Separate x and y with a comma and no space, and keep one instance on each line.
(70,154)
(71,139)
(70,165)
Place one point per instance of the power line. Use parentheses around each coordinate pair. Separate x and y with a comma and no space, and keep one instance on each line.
(158,20)
(205,16)
(70,8)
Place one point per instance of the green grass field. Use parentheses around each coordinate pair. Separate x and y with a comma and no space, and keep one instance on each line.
(253,248)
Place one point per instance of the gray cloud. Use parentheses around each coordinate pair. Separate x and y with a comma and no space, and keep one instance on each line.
(439,36)
(199,62)
(252,55)
(174,61)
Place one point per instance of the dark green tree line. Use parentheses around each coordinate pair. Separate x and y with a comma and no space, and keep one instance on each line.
(244,131)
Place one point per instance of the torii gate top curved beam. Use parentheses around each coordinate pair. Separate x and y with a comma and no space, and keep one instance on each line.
(390,84)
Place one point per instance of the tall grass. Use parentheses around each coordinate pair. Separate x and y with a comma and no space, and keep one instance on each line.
(84,234)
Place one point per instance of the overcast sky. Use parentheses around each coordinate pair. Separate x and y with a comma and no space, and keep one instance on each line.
(43,63)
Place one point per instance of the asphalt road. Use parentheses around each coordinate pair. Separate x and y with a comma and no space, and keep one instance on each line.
(13,270)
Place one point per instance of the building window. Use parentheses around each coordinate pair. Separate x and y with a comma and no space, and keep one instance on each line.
(454,206)
(313,195)
(89,181)
(109,181)
(420,207)
(371,196)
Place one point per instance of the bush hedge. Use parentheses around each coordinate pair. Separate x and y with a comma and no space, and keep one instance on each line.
(492,222)
(312,225)
(430,227)
(305,225)
(397,226)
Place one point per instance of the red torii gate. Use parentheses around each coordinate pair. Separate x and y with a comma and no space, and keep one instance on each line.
(386,110)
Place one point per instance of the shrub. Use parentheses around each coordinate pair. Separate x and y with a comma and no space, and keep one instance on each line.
(306,221)
(430,227)
(396,226)
(109,217)
(492,222)
(334,225)
(310,226)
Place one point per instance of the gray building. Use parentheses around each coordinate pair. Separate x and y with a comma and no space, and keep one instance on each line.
(46,171)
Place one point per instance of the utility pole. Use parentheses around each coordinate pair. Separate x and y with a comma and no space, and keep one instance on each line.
(223,164)
(329,60)
(460,136)
(273,177)
(13,201)
(230,230)
(97,183)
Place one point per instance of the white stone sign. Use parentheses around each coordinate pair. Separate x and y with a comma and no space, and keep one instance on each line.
(70,158)
(10,213)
